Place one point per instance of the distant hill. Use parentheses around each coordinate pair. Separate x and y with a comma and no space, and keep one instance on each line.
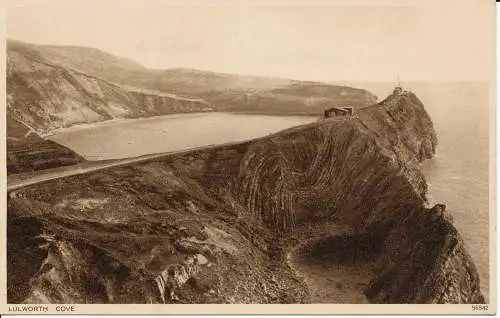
(87,60)
(301,98)
(215,87)
(119,70)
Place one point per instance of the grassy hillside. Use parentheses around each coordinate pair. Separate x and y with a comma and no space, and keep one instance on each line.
(226,91)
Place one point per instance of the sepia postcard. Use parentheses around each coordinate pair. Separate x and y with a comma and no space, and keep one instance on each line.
(248,157)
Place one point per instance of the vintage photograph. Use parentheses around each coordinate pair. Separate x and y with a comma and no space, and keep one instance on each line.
(235,152)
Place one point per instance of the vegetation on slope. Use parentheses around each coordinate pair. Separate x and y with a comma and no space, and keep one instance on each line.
(227,92)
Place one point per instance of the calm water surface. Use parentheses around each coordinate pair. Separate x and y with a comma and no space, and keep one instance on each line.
(459,174)
(131,138)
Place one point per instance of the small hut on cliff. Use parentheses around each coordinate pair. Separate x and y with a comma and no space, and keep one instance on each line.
(339,111)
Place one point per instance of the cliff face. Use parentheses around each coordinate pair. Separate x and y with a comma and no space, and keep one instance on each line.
(45,96)
(424,261)
(216,225)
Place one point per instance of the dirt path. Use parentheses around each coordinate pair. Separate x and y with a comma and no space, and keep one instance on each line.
(20,180)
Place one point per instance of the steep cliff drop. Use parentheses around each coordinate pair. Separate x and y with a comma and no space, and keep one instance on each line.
(228,224)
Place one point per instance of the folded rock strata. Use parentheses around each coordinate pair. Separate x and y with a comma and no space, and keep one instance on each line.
(215,225)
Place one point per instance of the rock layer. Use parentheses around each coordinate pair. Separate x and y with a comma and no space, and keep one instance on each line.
(27,151)
(216,224)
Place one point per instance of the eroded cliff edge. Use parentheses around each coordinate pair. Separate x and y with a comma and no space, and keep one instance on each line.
(217,224)
(46,96)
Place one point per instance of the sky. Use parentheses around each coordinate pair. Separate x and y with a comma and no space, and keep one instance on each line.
(363,40)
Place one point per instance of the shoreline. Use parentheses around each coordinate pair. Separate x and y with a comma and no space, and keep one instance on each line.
(124,120)
(114,121)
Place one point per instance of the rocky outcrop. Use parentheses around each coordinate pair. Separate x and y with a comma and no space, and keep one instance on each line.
(216,224)
(26,151)
(424,261)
